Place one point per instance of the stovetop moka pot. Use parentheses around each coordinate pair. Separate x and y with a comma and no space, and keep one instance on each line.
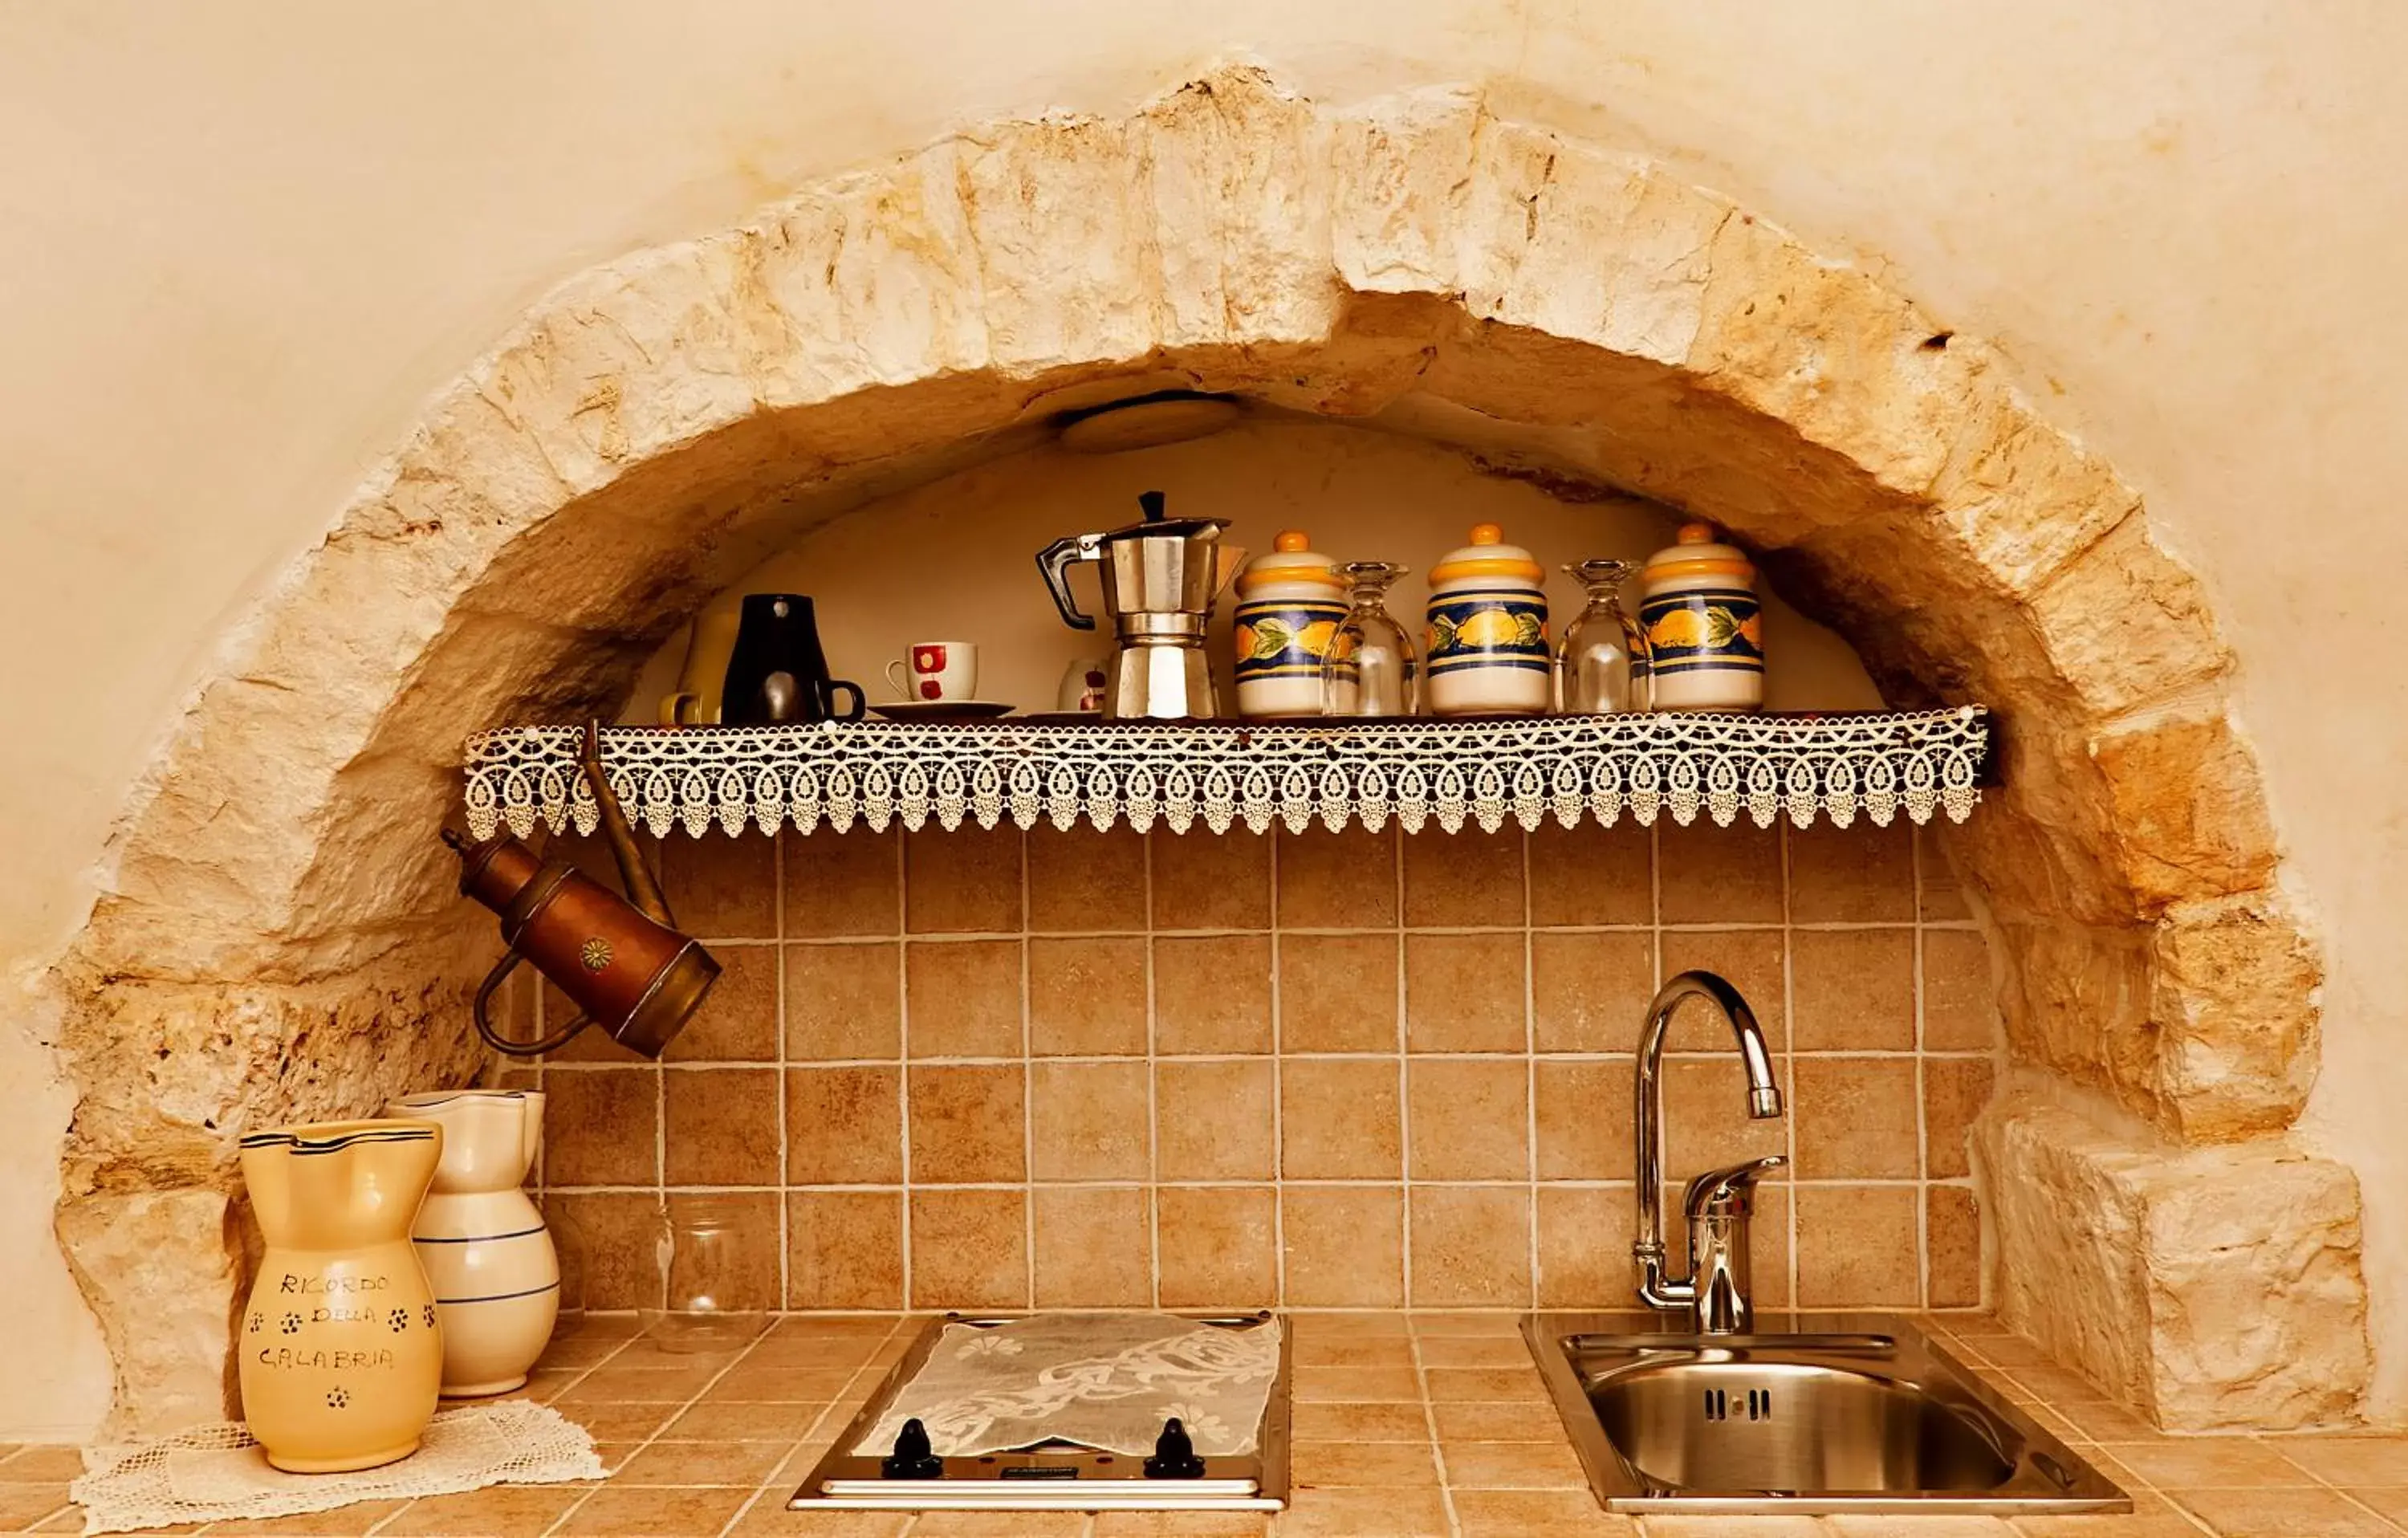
(1160,577)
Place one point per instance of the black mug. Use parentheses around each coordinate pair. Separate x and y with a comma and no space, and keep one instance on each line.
(778,673)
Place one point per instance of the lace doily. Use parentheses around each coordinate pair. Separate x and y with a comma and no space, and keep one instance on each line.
(1105,1381)
(216,1473)
(1417,772)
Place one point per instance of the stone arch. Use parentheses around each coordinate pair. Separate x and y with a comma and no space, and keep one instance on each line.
(280,936)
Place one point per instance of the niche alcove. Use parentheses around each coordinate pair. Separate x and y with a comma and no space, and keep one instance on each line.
(281,939)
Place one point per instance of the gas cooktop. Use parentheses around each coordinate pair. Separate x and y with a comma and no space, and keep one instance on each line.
(1051,1476)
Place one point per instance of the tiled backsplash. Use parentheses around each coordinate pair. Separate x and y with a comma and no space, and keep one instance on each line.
(989,1069)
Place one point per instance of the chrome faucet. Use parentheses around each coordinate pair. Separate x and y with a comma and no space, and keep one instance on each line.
(1720,1201)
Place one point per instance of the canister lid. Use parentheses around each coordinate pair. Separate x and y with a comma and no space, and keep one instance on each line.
(1290,559)
(1487,556)
(1696,552)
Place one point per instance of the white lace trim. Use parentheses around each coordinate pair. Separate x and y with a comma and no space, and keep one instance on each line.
(1416,772)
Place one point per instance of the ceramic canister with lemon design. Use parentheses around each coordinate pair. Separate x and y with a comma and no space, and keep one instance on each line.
(1703,625)
(1289,603)
(1486,639)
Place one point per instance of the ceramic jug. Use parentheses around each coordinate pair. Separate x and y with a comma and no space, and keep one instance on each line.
(340,1355)
(776,671)
(495,1273)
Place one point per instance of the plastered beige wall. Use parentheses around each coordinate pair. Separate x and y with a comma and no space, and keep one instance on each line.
(239,244)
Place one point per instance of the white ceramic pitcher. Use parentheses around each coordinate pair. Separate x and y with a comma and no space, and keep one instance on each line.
(484,1243)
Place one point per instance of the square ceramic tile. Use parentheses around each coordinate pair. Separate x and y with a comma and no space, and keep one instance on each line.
(1345,880)
(962,998)
(723,1127)
(1466,879)
(1856,1246)
(1344,1246)
(966,1125)
(1943,899)
(1341,1119)
(1080,881)
(1706,874)
(738,1021)
(967,881)
(1338,993)
(1588,874)
(605,1241)
(1214,1120)
(1212,994)
(1860,875)
(1471,1245)
(601,1127)
(1856,1118)
(1466,993)
(844,1125)
(1855,990)
(1583,1116)
(1203,881)
(1589,992)
(1218,1246)
(1086,998)
(1089,1121)
(1952,1227)
(1469,1118)
(1754,961)
(1095,1247)
(969,1249)
(842,884)
(844,1002)
(1706,1120)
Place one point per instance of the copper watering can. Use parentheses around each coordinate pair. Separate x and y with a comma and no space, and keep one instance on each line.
(623,963)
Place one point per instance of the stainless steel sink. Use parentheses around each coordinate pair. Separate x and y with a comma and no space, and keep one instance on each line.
(1832,1414)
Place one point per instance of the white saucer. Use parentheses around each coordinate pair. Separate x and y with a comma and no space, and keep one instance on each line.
(942,710)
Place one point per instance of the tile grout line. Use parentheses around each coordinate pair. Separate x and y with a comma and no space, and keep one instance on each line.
(1790,1056)
(1279,1043)
(1429,1420)
(902,1322)
(1922,1091)
(1029,1101)
(1529,1074)
(1401,1004)
(1153,1114)
(785,1148)
(903,1072)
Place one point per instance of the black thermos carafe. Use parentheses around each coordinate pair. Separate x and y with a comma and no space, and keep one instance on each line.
(778,673)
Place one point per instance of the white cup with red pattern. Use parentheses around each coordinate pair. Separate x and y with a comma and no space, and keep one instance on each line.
(934,671)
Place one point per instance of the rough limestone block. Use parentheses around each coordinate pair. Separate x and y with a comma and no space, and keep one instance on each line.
(2190,811)
(1821,346)
(2021,497)
(2235,998)
(2076,1001)
(2215,1289)
(1400,167)
(1240,176)
(1583,245)
(161,1269)
(1060,238)
(2126,625)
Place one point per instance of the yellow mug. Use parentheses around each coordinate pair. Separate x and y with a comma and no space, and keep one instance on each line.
(695,702)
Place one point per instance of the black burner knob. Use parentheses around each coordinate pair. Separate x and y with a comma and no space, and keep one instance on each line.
(913,1459)
(1174,1454)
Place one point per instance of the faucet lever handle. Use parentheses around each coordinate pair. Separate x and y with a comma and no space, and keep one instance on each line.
(1729,1189)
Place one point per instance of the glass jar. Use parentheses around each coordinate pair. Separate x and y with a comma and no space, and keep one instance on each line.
(701,1244)
(1368,669)
(1602,664)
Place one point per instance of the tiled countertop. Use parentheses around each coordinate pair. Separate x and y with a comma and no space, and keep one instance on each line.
(1406,1425)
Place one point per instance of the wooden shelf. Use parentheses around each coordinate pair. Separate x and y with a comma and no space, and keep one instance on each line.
(1220,776)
